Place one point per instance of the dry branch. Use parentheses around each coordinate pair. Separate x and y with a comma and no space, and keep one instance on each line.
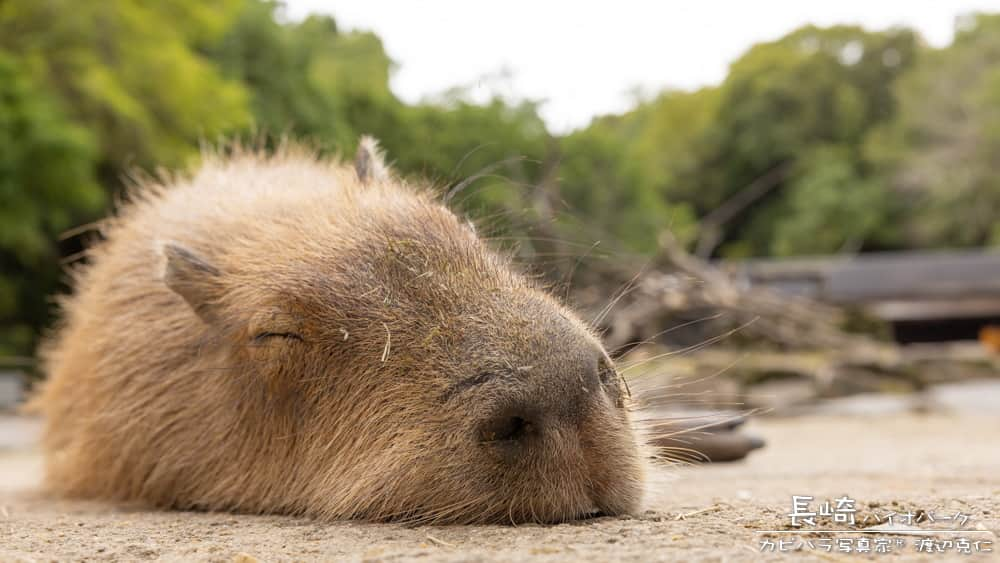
(681,287)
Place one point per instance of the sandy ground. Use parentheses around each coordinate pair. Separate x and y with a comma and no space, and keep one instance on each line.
(938,463)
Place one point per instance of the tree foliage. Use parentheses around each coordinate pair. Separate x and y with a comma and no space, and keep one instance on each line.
(792,103)
(47,185)
(306,80)
(940,154)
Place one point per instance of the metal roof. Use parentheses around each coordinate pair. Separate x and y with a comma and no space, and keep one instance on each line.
(896,276)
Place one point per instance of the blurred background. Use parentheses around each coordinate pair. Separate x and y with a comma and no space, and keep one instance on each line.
(802,199)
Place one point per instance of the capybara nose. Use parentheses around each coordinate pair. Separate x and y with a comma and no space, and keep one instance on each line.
(510,425)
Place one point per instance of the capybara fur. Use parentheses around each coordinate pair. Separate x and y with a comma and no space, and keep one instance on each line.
(287,334)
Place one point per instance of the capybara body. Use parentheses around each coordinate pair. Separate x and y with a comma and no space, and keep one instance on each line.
(286,334)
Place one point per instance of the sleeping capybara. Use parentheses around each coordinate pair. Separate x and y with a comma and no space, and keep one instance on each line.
(287,334)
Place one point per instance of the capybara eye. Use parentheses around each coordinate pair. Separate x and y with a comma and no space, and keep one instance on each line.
(269,335)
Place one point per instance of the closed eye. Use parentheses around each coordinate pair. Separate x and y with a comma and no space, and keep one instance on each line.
(266,335)
(468,383)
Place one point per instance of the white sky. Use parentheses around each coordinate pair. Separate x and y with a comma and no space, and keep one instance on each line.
(584,58)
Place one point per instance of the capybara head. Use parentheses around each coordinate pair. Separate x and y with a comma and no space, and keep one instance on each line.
(282,334)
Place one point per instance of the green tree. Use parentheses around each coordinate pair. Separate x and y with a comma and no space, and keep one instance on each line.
(829,206)
(308,79)
(132,72)
(783,100)
(629,175)
(940,153)
(47,184)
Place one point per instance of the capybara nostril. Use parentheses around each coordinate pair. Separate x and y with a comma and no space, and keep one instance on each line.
(506,428)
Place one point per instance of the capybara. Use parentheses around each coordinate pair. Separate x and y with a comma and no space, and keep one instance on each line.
(281,333)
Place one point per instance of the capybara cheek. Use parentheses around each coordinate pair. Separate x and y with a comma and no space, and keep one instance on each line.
(622,493)
(615,463)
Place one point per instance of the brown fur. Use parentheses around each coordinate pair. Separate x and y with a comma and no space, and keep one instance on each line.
(286,335)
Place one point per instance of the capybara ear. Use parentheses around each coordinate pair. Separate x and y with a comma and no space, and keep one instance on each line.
(369,163)
(194,279)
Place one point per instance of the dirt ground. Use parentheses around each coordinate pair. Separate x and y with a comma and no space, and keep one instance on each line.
(903,462)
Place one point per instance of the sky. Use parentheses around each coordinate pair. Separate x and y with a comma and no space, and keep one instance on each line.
(583,59)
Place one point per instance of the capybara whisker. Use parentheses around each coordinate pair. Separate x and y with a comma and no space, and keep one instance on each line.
(692,348)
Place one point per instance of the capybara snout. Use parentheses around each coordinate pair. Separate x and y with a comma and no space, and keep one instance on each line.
(283,334)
